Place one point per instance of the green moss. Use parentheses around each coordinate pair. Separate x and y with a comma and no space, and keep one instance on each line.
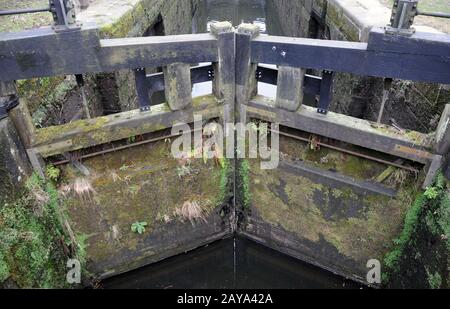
(244,181)
(434,280)
(411,220)
(224,185)
(358,226)
(41,94)
(123,26)
(96,133)
(32,238)
(134,22)
(327,159)
(428,218)
(337,18)
(148,190)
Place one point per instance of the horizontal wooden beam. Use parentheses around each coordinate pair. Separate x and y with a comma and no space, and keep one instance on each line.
(419,43)
(91,132)
(336,180)
(412,145)
(44,52)
(355,58)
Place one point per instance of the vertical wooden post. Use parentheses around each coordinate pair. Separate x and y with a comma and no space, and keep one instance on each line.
(224,70)
(177,80)
(245,70)
(432,169)
(224,90)
(21,118)
(290,88)
(443,133)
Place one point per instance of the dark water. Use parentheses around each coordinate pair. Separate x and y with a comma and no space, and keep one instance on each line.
(229,264)
(257,12)
(236,11)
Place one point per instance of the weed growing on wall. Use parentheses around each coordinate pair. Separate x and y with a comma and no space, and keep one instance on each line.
(244,171)
(34,246)
(419,258)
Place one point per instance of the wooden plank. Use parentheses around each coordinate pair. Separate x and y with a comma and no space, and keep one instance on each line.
(177,85)
(224,81)
(245,70)
(432,170)
(412,145)
(21,117)
(443,132)
(7,89)
(419,43)
(91,132)
(349,57)
(43,52)
(290,88)
(336,180)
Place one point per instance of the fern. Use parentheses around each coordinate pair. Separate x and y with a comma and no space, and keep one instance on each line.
(139,227)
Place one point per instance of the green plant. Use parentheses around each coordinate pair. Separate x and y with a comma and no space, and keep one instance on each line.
(224,182)
(81,242)
(4,268)
(139,227)
(244,171)
(52,173)
(32,237)
(134,189)
(124,168)
(132,139)
(428,218)
(434,280)
(431,193)
(392,258)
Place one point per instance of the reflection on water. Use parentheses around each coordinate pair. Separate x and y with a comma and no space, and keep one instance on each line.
(221,266)
(235,11)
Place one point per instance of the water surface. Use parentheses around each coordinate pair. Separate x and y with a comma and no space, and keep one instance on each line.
(229,264)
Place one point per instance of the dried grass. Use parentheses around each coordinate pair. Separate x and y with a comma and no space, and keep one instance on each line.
(83,189)
(80,188)
(398,177)
(191,211)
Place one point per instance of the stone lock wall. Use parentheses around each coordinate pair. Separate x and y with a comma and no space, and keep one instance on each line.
(176,18)
(410,105)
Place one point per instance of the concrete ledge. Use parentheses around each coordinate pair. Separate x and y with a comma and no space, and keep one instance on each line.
(356,18)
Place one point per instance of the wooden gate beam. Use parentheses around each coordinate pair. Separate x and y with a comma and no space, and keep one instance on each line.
(412,145)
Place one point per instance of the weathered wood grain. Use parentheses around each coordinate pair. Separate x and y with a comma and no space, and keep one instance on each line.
(412,146)
(42,52)
(350,57)
(91,132)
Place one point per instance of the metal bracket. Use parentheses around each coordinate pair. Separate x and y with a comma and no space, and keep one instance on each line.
(146,85)
(64,15)
(325,92)
(142,89)
(402,18)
